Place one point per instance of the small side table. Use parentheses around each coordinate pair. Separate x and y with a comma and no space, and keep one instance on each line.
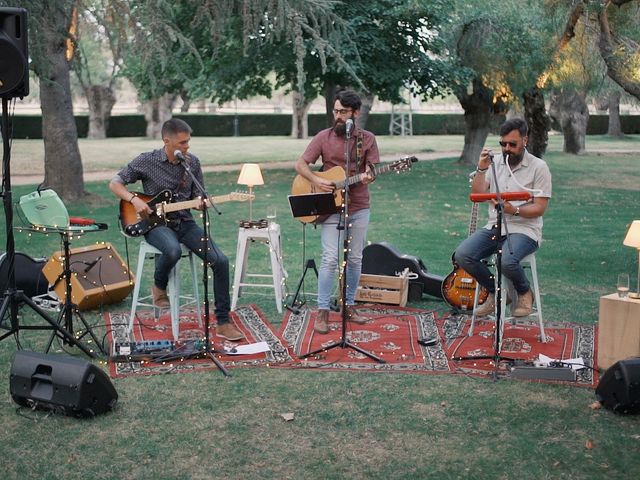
(269,236)
(618,329)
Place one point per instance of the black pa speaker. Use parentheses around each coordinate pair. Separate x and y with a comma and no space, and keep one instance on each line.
(619,387)
(63,384)
(14,57)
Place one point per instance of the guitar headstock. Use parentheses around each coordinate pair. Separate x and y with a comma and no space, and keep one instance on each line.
(241,196)
(403,164)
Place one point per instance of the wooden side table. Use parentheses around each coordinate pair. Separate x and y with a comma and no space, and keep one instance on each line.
(618,329)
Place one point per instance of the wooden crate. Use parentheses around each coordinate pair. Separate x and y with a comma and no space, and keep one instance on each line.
(384,289)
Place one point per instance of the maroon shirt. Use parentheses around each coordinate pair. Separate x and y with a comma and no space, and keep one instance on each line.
(331,148)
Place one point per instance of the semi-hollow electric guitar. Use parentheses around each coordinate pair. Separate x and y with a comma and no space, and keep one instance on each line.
(135,225)
(337,175)
(459,288)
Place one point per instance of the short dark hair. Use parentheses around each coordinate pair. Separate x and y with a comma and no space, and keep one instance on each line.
(173,126)
(514,124)
(349,99)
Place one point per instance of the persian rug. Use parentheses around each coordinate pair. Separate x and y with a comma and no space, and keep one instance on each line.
(521,342)
(249,319)
(391,334)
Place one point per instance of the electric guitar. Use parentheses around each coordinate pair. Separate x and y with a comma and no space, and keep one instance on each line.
(337,175)
(135,225)
(459,288)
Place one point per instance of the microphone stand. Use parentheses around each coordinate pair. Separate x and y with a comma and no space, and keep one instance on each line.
(208,351)
(344,221)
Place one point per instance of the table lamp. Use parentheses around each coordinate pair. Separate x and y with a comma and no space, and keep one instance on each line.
(250,175)
(633,240)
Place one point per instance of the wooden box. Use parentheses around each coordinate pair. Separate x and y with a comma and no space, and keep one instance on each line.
(618,329)
(384,289)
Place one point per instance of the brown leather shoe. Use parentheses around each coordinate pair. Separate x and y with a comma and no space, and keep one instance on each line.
(488,307)
(524,305)
(229,331)
(353,316)
(321,324)
(160,298)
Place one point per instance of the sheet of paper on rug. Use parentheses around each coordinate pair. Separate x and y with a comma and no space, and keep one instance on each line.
(248,349)
(576,363)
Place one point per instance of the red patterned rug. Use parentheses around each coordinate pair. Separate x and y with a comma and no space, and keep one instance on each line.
(249,319)
(391,334)
(521,342)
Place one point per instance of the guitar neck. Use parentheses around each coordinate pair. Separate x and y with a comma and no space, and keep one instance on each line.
(377,169)
(473,221)
(174,207)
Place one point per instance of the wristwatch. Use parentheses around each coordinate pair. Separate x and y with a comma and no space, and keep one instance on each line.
(517,212)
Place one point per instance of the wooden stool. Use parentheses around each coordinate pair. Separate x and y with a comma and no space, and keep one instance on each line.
(173,288)
(269,236)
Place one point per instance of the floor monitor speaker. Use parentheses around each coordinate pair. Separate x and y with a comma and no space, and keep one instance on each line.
(61,384)
(619,387)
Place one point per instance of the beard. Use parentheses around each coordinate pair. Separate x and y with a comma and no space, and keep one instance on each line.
(516,158)
(339,128)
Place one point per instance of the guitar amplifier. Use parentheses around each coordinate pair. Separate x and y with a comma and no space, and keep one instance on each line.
(98,276)
(384,259)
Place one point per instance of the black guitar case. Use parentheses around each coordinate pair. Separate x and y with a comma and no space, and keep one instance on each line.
(384,259)
(29,276)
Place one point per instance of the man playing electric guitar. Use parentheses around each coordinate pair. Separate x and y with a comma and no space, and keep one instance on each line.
(161,170)
(329,145)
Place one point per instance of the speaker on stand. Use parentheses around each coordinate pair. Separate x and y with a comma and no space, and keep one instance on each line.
(14,63)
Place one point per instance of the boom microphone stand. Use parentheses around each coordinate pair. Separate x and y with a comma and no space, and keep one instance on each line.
(208,351)
(13,297)
(344,221)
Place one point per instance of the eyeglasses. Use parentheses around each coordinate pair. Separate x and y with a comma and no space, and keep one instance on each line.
(342,111)
(504,144)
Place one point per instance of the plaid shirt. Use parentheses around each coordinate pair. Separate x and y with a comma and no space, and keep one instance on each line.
(157,173)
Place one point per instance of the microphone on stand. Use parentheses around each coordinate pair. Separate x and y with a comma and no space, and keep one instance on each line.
(92,264)
(178,154)
(349,127)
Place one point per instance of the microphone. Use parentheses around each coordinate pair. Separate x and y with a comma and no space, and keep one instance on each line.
(92,264)
(506,158)
(349,127)
(178,154)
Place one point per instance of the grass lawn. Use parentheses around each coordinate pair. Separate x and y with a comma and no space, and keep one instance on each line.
(354,425)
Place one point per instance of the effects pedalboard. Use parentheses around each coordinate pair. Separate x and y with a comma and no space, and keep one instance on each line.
(533,371)
(150,350)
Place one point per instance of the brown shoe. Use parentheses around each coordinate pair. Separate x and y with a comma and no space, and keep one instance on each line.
(160,298)
(524,305)
(322,322)
(229,331)
(353,316)
(488,307)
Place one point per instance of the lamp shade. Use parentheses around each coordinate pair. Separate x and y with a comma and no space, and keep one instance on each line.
(250,175)
(633,235)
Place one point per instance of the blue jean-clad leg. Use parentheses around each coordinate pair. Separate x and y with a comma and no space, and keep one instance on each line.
(482,244)
(332,245)
(166,240)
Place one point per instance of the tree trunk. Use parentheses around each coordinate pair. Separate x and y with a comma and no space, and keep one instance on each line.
(615,127)
(101,99)
(62,161)
(478,114)
(156,112)
(330,90)
(186,102)
(539,122)
(367,103)
(570,110)
(300,117)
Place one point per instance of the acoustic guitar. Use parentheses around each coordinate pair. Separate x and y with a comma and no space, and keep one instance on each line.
(459,288)
(337,175)
(135,225)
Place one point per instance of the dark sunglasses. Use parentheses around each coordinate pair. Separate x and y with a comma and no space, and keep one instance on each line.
(511,144)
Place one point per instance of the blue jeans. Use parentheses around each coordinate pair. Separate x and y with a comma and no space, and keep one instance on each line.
(482,244)
(332,244)
(168,241)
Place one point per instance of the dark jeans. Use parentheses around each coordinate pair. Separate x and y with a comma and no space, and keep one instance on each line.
(482,244)
(168,241)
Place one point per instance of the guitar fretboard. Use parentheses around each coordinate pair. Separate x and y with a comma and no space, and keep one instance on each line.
(378,169)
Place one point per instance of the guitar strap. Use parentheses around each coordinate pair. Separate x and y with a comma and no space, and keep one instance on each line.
(359,150)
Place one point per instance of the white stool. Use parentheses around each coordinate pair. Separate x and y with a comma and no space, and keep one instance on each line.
(173,288)
(269,236)
(507,287)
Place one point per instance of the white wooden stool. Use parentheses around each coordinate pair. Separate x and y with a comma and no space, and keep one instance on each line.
(173,288)
(270,236)
(507,288)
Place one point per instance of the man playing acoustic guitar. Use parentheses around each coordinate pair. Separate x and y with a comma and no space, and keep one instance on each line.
(330,145)
(161,170)
(516,170)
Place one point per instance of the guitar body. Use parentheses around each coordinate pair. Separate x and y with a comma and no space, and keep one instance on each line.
(459,288)
(302,186)
(134,225)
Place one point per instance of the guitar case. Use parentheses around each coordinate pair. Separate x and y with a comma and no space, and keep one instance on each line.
(29,276)
(384,259)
